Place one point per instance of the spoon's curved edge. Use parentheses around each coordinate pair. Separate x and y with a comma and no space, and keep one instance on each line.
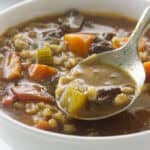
(96,57)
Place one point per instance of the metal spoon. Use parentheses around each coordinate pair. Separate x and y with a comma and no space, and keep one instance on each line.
(127,58)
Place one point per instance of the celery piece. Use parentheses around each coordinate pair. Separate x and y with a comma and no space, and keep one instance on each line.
(66,97)
(73,100)
(44,56)
(78,101)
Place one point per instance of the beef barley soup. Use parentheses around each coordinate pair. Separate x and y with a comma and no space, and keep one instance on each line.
(37,54)
(86,95)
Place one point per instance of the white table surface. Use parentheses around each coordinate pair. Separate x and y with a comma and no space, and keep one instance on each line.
(4,146)
(5,4)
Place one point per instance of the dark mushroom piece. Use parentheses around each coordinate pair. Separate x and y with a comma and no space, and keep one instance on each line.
(100,45)
(72,21)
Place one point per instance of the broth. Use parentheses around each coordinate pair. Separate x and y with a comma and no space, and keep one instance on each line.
(28,94)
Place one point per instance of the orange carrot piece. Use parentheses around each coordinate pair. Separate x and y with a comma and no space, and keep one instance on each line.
(42,124)
(147,69)
(40,72)
(79,43)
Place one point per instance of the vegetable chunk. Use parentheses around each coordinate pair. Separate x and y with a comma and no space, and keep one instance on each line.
(74,100)
(79,43)
(40,72)
(42,124)
(147,69)
(12,67)
(44,55)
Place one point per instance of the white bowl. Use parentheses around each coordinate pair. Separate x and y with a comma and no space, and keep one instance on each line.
(23,137)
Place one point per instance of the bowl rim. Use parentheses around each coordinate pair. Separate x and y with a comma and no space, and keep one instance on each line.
(38,132)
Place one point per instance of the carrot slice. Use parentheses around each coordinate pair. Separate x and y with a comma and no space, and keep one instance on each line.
(79,43)
(147,69)
(42,124)
(40,72)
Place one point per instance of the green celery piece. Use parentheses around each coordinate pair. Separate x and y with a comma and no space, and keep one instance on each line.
(65,97)
(44,56)
(78,101)
(73,100)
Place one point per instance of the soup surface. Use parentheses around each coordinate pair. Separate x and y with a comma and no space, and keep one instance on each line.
(95,89)
(36,54)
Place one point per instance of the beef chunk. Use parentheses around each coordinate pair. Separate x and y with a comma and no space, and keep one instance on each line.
(31,92)
(108,95)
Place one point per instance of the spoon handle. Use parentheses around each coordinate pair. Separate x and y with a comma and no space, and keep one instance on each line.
(140,28)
